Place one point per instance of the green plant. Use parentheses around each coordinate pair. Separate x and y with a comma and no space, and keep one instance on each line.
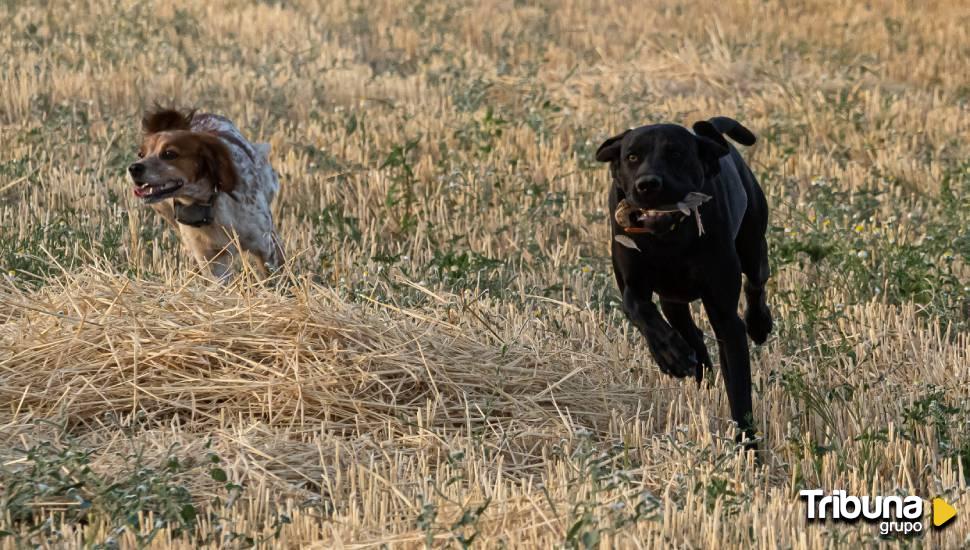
(61,475)
(601,499)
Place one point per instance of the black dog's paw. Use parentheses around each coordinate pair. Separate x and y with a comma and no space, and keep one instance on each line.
(757,321)
(673,354)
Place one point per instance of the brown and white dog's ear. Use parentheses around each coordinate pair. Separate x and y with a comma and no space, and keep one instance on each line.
(217,164)
(610,149)
(161,119)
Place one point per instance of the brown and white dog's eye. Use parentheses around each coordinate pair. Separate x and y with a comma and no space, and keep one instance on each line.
(632,158)
(168,154)
(141,154)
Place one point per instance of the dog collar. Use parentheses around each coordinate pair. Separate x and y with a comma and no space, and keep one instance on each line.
(194,215)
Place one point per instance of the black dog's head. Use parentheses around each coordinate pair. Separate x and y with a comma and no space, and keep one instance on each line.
(659,164)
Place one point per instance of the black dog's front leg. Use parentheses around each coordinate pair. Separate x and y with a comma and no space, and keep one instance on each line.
(672,353)
(721,309)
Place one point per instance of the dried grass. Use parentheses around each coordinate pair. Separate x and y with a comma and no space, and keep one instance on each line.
(355,390)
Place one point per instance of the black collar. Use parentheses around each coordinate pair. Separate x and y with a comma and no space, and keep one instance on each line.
(200,213)
(194,215)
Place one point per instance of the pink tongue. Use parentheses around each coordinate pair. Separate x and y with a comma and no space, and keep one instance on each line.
(138,192)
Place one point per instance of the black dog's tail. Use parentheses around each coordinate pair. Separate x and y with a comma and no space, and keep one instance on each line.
(716,126)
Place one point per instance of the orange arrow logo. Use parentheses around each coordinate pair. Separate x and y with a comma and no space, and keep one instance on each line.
(942,512)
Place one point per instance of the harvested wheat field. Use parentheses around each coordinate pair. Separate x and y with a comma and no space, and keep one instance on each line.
(444,361)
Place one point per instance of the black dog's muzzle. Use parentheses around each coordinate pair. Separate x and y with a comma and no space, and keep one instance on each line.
(648,183)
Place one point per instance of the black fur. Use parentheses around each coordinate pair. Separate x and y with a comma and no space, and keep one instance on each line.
(681,266)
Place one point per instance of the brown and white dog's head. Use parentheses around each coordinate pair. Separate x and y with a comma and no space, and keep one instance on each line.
(175,162)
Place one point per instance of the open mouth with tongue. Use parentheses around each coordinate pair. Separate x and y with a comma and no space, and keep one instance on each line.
(661,219)
(154,192)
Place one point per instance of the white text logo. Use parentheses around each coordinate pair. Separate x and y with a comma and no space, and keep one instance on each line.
(896,514)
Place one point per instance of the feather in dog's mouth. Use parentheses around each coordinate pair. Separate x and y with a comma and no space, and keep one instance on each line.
(661,219)
(153,192)
(641,220)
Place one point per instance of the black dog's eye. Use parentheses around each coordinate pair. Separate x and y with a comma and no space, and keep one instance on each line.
(168,154)
(674,155)
(632,158)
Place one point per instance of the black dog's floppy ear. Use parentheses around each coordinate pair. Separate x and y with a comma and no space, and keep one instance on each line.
(610,149)
(709,152)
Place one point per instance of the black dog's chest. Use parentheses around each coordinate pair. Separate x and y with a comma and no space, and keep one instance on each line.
(673,280)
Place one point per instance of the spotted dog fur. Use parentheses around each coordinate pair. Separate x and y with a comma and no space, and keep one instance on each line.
(199,159)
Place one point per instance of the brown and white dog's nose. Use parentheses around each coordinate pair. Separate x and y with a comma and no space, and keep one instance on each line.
(648,183)
(136,169)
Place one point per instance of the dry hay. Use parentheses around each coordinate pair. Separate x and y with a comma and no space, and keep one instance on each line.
(320,404)
(449,335)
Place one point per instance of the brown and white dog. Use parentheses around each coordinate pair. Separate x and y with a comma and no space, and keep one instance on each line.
(212,185)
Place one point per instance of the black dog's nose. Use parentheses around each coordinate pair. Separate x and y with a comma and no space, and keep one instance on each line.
(648,183)
(136,169)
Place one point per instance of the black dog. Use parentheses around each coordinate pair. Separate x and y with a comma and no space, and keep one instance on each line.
(692,219)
